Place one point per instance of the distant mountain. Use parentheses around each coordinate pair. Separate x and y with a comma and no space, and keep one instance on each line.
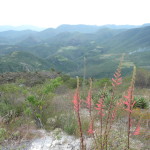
(86,28)
(103,34)
(146,24)
(20,28)
(129,40)
(113,26)
(78,28)
(69,28)
(13,37)
(47,33)
(14,34)
(30,41)
(66,47)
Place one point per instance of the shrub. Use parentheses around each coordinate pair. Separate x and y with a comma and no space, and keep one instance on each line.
(102,82)
(41,96)
(4,108)
(68,123)
(142,78)
(52,85)
(141,103)
(72,83)
(107,95)
(2,134)
(65,77)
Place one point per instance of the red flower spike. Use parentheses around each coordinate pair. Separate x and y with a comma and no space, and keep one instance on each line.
(90,130)
(137,130)
(76,101)
(117,79)
(114,80)
(100,106)
(129,102)
(115,75)
(113,85)
(119,83)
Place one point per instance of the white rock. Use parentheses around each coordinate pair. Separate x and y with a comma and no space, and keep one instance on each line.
(42,144)
(56,141)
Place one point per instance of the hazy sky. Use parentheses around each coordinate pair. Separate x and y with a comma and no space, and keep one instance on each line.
(51,13)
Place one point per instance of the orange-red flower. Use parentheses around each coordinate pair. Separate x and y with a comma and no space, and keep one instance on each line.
(129,101)
(137,130)
(90,130)
(117,80)
(100,106)
(76,101)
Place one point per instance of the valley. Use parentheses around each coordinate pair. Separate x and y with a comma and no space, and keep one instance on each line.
(66,47)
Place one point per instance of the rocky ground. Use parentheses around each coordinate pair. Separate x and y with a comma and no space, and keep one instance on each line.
(55,140)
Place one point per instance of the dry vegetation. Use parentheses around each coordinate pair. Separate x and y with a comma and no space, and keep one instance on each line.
(48,105)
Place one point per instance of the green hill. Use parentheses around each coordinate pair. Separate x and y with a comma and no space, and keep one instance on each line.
(65,49)
(129,40)
(21,61)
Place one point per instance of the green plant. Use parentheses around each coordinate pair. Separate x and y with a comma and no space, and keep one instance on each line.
(141,103)
(71,83)
(4,108)
(2,134)
(68,123)
(65,77)
(37,103)
(102,82)
(142,78)
(50,86)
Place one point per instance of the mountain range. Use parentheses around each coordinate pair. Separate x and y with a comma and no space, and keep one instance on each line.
(20,28)
(74,48)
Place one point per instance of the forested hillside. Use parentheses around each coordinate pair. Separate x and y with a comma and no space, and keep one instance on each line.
(74,49)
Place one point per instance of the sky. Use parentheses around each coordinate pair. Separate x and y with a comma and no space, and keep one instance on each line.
(52,13)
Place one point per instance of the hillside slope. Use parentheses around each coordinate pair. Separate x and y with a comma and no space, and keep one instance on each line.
(129,40)
(73,52)
(21,61)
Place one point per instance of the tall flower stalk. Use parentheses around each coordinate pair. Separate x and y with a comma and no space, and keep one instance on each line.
(129,103)
(89,106)
(116,81)
(100,108)
(89,99)
(77,103)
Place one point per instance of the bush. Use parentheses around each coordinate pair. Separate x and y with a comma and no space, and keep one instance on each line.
(71,83)
(37,104)
(4,108)
(2,134)
(141,103)
(69,124)
(107,99)
(142,78)
(65,77)
(104,81)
